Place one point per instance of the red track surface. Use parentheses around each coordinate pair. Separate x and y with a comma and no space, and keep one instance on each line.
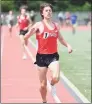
(19,78)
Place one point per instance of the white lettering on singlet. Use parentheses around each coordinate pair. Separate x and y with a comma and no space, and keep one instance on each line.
(46,35)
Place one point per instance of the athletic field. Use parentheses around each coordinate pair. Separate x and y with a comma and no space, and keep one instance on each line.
(19,78)
(77,66)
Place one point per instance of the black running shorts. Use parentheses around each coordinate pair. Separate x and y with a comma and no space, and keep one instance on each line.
(11,22)
(23,32)
(44,60)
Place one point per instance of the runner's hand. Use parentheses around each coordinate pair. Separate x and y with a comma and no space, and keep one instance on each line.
(69,49)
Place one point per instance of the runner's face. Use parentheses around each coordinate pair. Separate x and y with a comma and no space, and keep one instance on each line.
(47,12)
(10,12)
(23,11)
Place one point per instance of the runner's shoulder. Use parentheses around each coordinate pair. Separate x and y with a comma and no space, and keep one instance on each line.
(57,25)
(38,24)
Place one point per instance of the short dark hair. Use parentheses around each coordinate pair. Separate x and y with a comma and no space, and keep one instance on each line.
(24,7)
(42,6)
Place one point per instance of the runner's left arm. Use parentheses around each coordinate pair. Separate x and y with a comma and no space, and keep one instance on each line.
(63,41)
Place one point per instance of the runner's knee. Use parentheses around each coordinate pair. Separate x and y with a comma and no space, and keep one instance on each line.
(56,79)
(43,84)
(22,40)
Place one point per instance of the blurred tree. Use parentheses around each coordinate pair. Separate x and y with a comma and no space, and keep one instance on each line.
(18,3)
(7,5)
(77,2)
(59,5)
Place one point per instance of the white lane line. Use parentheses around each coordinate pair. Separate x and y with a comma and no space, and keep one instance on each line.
(2,46)
(57,100)
(70,84)
(74,88)
(54,95)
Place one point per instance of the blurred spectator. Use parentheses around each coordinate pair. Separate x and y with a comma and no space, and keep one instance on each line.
(61,18)
(89,19)
(73,22)
(67,19)
(10,21)
(32,16)
(10,18)
(2,20)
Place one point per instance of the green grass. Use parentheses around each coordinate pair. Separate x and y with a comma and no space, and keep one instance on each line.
(77,66)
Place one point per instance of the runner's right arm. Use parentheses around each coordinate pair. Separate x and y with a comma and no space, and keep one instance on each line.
(32,30)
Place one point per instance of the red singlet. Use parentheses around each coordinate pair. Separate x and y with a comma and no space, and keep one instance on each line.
(47,41)
(23,22)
